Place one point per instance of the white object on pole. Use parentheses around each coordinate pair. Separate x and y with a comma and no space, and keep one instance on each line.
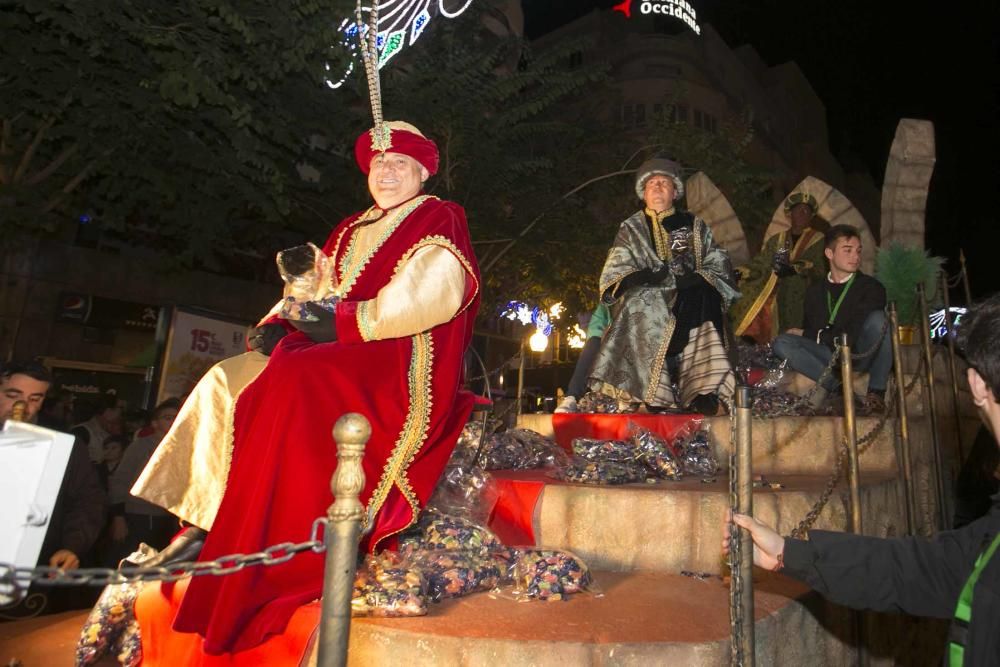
(32,460)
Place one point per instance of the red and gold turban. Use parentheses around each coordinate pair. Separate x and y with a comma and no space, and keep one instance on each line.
(395,137)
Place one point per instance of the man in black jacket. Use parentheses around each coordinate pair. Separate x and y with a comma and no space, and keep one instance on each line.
(847,302)
(78,514)
(954,575)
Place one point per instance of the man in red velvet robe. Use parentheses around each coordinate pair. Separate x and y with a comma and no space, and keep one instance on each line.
(392,350)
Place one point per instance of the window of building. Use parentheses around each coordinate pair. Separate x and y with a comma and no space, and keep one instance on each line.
(657,112)
(640,115)
(682,113)
(628,115)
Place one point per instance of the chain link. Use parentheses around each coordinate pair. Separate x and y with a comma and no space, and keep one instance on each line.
(864,443)
(496,371)
(736,555)
(12,578)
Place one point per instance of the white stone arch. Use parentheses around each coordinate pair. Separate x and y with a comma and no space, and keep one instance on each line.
(907,177)
(836,209)
(706,201)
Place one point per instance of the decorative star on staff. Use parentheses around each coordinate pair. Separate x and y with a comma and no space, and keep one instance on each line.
(397,23)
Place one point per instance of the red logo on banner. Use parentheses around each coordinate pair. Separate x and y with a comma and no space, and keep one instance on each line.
(625,8)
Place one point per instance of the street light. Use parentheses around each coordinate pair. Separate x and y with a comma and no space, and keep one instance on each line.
(538,341)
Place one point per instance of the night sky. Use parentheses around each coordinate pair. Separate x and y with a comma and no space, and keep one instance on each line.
(873,62)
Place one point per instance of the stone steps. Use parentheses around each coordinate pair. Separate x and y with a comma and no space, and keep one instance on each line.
(675,526)
(782,446)
(640,618)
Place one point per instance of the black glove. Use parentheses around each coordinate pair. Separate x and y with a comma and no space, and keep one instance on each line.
(265,338)
(323,329)
(783,269)
(646,277)
(689,280)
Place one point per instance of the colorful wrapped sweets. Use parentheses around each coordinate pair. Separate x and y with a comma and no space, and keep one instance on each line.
(581,471)
(387,586)
(520,449)
(593,449)
(457,572)
(596,402)
(111,628)
(549,575)
(698,458)
(657,453)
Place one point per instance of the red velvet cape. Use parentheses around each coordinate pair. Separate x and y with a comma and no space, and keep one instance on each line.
(284,454)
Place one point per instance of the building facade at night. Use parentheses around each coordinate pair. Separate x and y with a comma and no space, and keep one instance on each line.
(657,60)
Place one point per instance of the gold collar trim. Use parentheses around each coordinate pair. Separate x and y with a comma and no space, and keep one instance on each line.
(353,263)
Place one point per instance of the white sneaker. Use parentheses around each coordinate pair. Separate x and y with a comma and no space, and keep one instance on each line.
(567,404)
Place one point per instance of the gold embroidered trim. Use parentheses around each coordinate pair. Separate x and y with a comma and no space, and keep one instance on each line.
(447,244)
(412,436)
(661,237)
(758,303)
(351,266)
(661,357)
(365,327)
(381,136)
(698,244)
(762,297)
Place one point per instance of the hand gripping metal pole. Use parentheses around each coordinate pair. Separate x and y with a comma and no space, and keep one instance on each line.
(905,463)
(850,433)
(345,515)
(925,342)
(744,501)
(952,368)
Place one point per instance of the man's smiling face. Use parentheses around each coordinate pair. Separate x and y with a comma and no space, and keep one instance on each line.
(395,178)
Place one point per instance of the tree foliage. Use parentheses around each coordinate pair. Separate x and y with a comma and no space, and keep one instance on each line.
(496,109)
(186,117)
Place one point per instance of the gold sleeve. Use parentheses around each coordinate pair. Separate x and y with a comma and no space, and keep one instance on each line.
(428,289)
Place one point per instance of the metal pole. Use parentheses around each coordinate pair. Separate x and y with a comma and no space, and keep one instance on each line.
(925,342)
(520,379)
(850,434)
(744,505)
(905,464)
(965,279)
(952,368)
(343,529)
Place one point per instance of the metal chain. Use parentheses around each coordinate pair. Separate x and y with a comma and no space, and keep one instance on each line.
(796,408)
(864,443)
(736,556)
(12,577)
(496,371)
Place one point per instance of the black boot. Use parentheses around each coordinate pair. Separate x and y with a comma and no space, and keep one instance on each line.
(184,548)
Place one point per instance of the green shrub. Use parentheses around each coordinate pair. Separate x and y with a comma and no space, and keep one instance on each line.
(900,269)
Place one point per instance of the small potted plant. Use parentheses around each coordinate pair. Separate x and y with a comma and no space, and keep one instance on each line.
(900,269)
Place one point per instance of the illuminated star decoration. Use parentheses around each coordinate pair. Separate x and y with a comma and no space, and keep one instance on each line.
(939,328)
(525,314)
(400,22)
(518,311)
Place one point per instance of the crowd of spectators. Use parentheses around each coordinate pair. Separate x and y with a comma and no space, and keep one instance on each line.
(95,522)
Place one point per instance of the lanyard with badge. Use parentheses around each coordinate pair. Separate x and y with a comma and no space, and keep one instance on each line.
(831,308)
